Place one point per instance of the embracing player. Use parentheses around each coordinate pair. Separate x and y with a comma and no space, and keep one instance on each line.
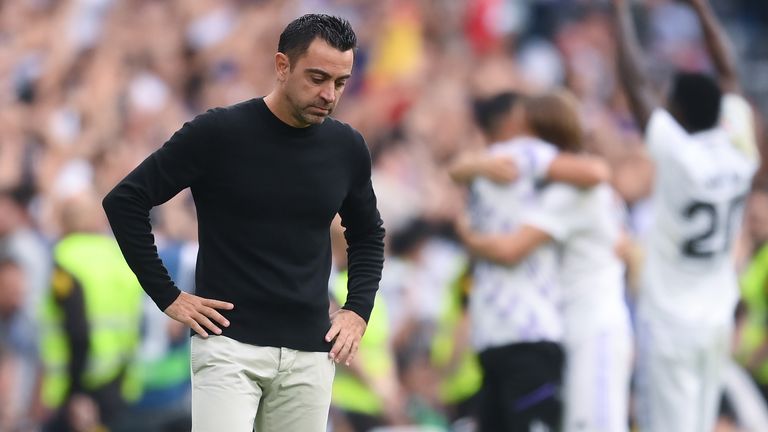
(586,225)
(514,309)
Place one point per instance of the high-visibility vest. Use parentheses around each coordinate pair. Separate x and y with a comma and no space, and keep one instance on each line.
(466,380)
(112,298)
(349,393)
(754,292)
(167,369)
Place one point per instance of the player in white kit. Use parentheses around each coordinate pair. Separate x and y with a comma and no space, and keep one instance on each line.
(704,151)
(586,224)
(516,322)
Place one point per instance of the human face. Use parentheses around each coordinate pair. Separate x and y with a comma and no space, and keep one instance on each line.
(313,84)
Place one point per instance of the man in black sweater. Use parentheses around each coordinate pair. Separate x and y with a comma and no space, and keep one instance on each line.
(268,176)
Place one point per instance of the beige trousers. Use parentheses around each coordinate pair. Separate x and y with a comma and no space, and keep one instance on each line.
(237,387)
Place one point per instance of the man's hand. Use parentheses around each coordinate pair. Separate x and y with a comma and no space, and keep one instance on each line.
(392,398)
(498,169)
(197,312)
(347,328)
(83,414)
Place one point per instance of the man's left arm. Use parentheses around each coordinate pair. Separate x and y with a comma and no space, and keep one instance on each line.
(718,45)
(364,232)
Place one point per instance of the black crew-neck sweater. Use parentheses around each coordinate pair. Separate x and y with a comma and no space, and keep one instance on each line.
(265,195)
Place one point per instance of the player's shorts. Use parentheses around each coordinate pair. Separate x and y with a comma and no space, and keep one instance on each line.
(679,375)
(521,387)
(597,373)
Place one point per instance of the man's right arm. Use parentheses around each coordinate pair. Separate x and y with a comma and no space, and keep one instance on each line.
(554,218)
(180,163)
(637,86)
(505,249)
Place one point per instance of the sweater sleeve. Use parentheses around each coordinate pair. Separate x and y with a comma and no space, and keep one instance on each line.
(178,164)
(364,232)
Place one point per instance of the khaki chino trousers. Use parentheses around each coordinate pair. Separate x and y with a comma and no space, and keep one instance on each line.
(238,387)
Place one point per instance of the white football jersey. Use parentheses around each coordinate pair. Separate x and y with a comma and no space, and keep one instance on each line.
(701,183)
(587,224)
(511,304)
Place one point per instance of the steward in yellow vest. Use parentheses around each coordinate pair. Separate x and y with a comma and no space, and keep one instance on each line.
(452,355)
(90,331)
(753,342)
(367,391)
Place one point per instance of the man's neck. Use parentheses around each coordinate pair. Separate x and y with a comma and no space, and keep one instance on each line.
(278,104)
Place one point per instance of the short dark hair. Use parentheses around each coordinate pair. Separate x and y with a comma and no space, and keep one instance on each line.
(694,99)
(489,112)
(299,34)
(409,237)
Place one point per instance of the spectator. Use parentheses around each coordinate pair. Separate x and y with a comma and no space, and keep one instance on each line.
(89,88)
(90,325)
(19,360)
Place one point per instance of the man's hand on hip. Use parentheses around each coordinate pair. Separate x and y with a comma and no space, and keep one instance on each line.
(347,328)
(197,312)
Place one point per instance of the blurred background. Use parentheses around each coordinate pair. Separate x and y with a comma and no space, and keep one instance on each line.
(89,88)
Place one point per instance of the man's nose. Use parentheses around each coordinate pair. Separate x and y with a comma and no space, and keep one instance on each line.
(328,93)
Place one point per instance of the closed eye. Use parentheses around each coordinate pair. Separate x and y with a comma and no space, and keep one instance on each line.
(319,76)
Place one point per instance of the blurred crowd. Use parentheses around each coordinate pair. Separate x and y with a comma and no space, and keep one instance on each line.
(91,87)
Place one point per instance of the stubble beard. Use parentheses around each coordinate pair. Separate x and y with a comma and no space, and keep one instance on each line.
(316,118)
(302,113)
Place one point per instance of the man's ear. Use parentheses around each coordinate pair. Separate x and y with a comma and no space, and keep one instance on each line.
(282,66)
